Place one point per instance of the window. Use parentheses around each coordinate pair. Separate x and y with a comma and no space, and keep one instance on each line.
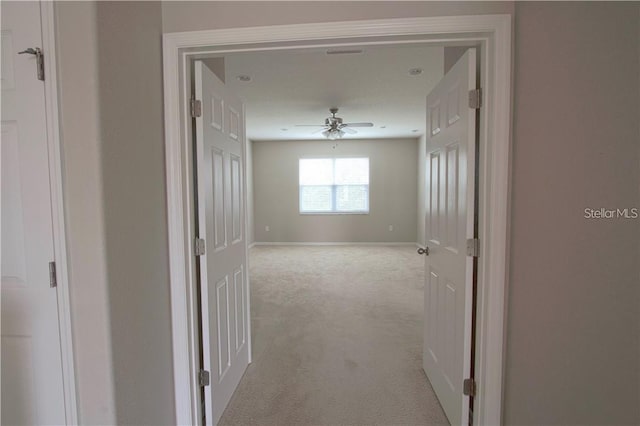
(334,185)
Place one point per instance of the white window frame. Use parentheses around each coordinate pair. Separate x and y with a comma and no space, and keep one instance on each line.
(492,33)
(334,187)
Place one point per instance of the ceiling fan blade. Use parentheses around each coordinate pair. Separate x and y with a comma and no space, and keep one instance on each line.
(357,124)
(318,131)
(348,130)
(310,125)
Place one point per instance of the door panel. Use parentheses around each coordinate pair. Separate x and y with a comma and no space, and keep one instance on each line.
(222,311)
(219,218)
(13,238)
(238,286)
(452,213)
(236,199)
(449,223)
(434,200)
(223,282)
(32,390)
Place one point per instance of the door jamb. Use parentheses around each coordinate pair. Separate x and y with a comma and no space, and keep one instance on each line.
(495,32)
(47,18)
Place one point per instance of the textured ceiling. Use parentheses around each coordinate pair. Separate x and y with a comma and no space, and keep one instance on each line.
(299,86)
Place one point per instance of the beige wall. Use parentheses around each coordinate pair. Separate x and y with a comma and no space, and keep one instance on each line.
(131,124)
(573,343)
(84,210)
(452,54)
(392,192)
(111,104)
(216,65)
(199,15)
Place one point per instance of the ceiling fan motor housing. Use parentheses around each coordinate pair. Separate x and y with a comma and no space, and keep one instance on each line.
(333,121)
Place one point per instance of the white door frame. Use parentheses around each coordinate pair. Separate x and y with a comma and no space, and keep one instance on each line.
(47,18)
(493,32)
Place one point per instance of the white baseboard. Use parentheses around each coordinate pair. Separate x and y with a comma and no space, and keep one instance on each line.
(252,244)
(264,243)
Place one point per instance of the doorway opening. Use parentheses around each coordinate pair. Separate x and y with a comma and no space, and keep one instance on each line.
(361,187)
(491,33)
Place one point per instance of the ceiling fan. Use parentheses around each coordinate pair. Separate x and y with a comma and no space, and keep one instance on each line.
(333,127)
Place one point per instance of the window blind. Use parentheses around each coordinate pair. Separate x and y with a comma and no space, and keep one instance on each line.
(334,185)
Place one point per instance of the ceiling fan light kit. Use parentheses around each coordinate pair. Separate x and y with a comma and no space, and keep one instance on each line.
(333,134)
(335,128)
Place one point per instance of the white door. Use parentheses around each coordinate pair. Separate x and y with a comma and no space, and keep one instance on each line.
(223,269)
(32,391)
(450,160)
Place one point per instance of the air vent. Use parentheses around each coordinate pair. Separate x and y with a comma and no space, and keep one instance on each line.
(344,51)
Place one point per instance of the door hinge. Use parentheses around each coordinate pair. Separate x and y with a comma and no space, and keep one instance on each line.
(200,246)
(37,52)
(53,279)
(203,378)
(475,98)
(469,387)
(196,108)
(473,247)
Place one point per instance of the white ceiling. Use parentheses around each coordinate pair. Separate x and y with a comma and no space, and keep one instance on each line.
(299,86)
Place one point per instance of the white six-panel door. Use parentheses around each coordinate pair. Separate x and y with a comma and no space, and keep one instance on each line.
(32,386)
(450,171)
(220,136)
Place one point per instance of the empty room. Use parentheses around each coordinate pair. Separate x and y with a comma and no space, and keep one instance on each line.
(339,143)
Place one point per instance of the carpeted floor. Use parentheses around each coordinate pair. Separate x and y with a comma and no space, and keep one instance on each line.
(337,339)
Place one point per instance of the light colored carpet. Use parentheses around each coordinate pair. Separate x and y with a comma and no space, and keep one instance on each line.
(337,339)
